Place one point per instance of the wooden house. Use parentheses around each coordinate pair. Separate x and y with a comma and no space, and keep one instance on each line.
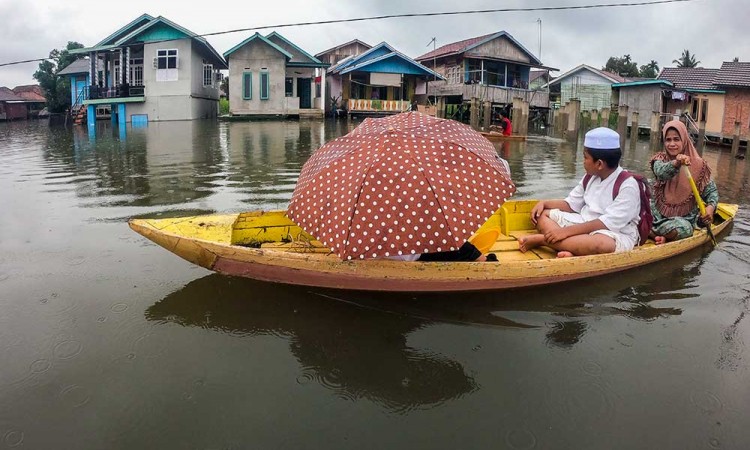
(33,97)
(274,77)
(380,80)
(593,87)
(644,97)
(12,107)
(332,56)
(152,70)
(494,67)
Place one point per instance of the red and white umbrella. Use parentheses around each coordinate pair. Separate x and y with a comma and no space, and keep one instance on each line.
(404,184)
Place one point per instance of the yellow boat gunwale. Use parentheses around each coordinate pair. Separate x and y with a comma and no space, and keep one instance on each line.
(326,270)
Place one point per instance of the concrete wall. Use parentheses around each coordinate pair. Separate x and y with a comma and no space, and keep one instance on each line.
(251,58)
(715,113)
(736,107)
(594,91)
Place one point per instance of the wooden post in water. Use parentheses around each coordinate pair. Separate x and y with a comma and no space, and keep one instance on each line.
(594,118)
(605,117)
(487,115)
(622,123)
(524,118)
(634,129)
(440,108)
(556,122)
(701,137)
(736,138)
(474,113)
(517,115)
(564,113)
(655,129)
(574,119)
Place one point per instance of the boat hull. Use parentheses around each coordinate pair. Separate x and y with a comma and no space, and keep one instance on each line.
(320,269)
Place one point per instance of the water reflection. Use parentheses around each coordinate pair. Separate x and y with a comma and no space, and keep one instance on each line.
(354,351)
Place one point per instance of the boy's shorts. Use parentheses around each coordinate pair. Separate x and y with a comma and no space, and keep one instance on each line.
(565,219)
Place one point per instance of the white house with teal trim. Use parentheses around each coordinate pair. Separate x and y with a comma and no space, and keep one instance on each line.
(271,76)
(381,80)
(152,70)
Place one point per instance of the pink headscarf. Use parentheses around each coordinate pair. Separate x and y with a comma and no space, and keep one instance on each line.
(674,197)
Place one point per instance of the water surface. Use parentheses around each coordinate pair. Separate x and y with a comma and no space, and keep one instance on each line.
(108,341)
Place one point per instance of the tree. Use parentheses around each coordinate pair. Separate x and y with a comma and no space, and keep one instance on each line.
(650,70)
(623,66)
(686,60)
(736,59)
(56,88)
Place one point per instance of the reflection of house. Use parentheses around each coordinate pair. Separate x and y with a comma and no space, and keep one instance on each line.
(11,105)
(153,69)
(379,81)
(33,97)
(734,79)
(332,56)
(593,87)
(695,93)
(493,67)
(274,77)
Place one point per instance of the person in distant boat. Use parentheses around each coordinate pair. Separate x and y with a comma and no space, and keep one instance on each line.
(590,220)
(673,206)
(505,124)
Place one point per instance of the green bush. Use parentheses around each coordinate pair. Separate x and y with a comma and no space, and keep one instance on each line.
(223,106)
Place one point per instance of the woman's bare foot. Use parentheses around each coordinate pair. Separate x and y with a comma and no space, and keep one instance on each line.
(564,254)
(530,241)
(658,240)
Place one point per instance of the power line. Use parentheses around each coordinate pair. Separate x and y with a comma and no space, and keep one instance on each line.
(398,16)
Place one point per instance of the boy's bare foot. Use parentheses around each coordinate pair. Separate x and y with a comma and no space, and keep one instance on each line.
(658,240)
(526,243)
(564,254)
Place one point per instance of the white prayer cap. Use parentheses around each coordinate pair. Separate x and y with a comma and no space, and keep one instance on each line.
(602,138)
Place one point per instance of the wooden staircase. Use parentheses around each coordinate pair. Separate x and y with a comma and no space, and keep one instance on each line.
(79,114)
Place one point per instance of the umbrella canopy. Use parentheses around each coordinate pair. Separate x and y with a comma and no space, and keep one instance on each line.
(400,185)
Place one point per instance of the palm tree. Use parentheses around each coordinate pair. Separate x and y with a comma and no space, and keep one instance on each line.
(686,60)
(653,65)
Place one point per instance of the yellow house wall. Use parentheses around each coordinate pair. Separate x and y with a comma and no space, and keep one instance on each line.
(715,116)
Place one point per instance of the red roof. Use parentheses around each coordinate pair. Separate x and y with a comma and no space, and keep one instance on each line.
(456,47)
(30,93)
(7,95)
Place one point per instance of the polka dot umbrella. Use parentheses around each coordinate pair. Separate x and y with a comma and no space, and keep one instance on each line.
(400,185)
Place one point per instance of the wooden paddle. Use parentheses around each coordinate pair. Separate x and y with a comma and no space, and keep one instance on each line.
(699,201)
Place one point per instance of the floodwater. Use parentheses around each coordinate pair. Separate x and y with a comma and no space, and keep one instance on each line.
(108,341)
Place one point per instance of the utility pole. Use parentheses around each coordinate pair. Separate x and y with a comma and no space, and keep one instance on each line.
(434,63)
(539,21)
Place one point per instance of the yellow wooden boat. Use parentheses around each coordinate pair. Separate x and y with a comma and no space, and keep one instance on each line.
(497,137)
(269,246)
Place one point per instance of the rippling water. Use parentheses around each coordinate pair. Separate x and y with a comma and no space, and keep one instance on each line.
(108,341)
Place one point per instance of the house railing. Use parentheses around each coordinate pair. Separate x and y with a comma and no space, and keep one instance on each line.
(378,105)
(121,91)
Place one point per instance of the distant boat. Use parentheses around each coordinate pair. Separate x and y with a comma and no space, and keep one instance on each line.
(494,137)
(268,246)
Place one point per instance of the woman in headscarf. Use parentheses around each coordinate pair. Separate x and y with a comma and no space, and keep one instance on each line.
(673,206)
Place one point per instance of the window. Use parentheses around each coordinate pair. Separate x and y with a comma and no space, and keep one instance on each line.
(117,72)
(136,71)
(264,88)
(704,109)
(288,87)
(247,85)
(208,75)
(694,109)
(166,59)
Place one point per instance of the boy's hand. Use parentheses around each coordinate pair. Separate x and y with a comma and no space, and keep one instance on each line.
(537,211)
(556,235)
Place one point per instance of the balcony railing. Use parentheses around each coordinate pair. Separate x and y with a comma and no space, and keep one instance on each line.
(362,105)
(121,91)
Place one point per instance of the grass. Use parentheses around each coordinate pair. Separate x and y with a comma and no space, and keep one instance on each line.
(223,106)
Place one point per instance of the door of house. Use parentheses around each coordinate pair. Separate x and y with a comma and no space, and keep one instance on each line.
(304,91)
(80,87)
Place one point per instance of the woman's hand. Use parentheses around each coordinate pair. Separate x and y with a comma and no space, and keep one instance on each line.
(708,218)
(681,160)
(537,211)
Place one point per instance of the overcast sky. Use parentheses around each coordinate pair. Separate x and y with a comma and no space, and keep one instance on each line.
(715,30)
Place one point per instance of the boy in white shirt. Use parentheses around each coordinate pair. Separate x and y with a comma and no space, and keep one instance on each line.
(590,220)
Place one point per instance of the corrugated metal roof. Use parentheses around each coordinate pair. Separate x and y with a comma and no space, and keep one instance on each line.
(455,47)
(733,74)
(30,93)
(77,66)
(690,77)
